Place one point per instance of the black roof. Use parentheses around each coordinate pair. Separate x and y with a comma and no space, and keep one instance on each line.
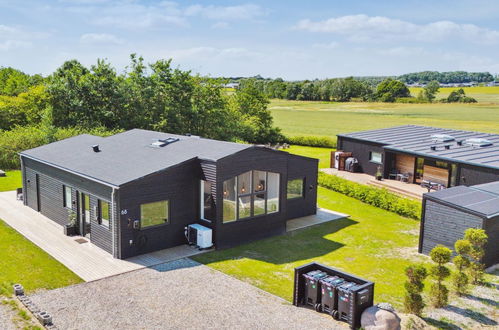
(418,140)
(481,199)
(127,156)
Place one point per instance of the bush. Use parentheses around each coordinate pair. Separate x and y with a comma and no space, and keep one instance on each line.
(439,293)
(378,197)
(413,302)
(23,138)
(312,141)
(462,262)
(478,239)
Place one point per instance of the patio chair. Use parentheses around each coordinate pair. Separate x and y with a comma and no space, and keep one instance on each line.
(393,174)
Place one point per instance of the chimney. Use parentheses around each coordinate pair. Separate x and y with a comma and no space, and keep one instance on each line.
(95,147)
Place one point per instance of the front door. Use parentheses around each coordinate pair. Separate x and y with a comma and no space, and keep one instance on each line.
(84,214)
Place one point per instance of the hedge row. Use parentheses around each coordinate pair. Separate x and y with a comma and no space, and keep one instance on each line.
(312,141)
(22,138)
(378,197)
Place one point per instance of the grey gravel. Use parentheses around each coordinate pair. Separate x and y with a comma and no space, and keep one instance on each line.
(6,317)
(178,295)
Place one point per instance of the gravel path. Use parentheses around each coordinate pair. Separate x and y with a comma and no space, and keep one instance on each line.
(178,295)
(6,317)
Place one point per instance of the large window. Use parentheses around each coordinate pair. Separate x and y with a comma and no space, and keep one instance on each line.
(207,202)
(67,196)
(376,157)
(103,215)
(295,188)
(154,214)
(250,194)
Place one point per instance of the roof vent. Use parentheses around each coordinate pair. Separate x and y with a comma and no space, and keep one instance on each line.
(478,142)
(447,146)
(442,138)
(433,147)
(95,147)
(163,142)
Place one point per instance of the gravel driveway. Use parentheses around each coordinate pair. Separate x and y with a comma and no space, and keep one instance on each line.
(178,295)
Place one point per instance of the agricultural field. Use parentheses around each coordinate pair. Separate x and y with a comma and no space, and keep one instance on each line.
(481,94)
(331,118)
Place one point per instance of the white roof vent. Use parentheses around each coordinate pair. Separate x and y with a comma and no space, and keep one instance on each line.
(478,142)
(442,138)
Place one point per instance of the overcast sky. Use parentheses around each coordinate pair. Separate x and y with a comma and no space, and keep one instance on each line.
(290,39)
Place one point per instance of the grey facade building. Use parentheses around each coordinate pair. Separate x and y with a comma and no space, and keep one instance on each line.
(449,212)
(445,156)
(134,192)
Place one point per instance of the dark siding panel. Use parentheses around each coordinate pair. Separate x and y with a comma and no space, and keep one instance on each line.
(52,200)
(307,169)
(472,175)
(361,150)
(179,185)
(238,232)
(445,225)
(492,248)
(30,192)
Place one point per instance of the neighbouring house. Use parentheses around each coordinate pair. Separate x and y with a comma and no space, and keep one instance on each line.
(134,192)
(448,213)
(446,157)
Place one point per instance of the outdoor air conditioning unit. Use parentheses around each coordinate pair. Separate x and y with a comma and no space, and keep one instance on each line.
(199,235)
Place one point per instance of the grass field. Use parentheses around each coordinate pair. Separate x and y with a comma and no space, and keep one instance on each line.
(23,262)
(372,243)
(323,154)
(331,118)
(481,94)
(11,181)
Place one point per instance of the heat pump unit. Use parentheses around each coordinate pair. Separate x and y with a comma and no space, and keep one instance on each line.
(200,236)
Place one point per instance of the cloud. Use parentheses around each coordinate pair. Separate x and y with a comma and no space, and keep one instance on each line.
(220,25)
(15,38)
(363,28)
(240,12)
(14,44)
(330,45)
(100,38)
(207,52)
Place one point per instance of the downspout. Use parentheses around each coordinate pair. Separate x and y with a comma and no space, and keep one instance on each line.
(23,174)
(116,225)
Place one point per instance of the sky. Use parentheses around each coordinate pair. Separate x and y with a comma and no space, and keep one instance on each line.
(289,39)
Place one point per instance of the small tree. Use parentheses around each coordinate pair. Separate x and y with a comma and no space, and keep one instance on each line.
(439,293)
(430,90)
(413,302)
(478,239)
(460,279)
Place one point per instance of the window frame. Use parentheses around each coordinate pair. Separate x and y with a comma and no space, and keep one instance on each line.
(166,223)
(374,161)
(65,203)
(302,195)
(99,214)
(252,195)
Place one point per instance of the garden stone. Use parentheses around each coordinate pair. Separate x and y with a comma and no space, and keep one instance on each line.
(380,317)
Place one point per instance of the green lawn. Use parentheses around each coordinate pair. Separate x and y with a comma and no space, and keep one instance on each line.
(23,262)
(11,181)
(372,243)
(481,94)
(332,118)
(323,154)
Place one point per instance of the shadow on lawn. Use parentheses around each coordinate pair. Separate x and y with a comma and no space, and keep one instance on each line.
(477,316)
(303,244)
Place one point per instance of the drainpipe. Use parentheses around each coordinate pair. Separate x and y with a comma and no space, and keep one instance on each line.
(116,225)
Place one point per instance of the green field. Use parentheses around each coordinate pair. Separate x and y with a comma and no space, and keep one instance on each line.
(372,243)
(322,154)
(11,181)
(481,94)
(331,118)
(23,262)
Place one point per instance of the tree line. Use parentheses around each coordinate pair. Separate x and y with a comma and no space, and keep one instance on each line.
(153,96)
(446,77)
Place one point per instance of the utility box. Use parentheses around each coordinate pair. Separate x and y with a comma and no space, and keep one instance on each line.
(344,297)
(199,235)
(312,288)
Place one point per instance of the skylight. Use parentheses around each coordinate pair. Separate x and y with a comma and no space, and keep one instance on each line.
(478,142)
(442,138)
(163,142)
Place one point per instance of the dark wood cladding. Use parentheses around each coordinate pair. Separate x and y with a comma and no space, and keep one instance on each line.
(361,150)
(306,169)
(472,175)
(491,227)
(241,231)
(180,186)
(51,197)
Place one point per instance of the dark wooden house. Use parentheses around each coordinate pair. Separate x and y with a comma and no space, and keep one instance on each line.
(448,213)
(444,156)
(135,192)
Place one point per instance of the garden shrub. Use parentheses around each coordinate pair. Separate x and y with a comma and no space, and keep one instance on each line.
(378,197)
(22,138)
(413,301)
(478,239)
(462,262)
(312,141)
(439,294)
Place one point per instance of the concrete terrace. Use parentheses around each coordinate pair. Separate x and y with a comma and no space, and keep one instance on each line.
(90,262)
(410,190)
